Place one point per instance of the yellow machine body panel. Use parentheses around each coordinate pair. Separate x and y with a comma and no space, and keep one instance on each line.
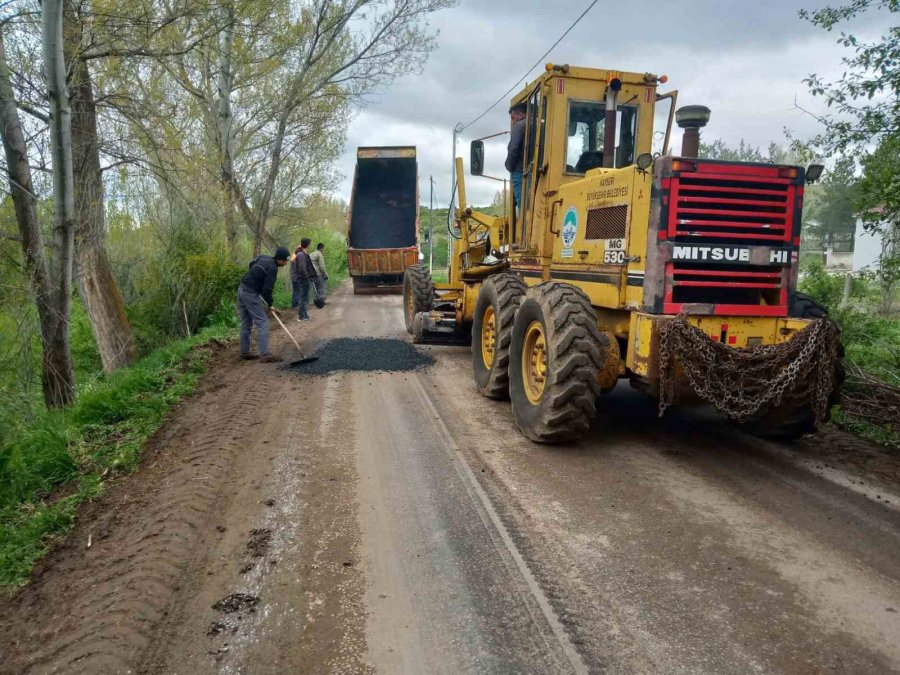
(601,243)
(564,137)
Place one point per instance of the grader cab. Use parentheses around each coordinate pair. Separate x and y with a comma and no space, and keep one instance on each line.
(623,261)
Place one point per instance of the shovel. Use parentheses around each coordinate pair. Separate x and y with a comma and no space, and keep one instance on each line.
(303,357)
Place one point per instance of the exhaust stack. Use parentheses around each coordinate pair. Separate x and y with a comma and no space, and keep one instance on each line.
(609,127)
(691,118)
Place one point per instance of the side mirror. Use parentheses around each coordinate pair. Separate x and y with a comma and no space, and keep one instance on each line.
(644,161)
(476,158)
(814,172)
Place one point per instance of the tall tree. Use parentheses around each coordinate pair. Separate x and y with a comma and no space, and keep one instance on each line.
(864,118)
(60,118)
(834,211)
(864,103)
(878,202)
(57,372)
(326,53)
(719,149)
(51,280)
(94,274)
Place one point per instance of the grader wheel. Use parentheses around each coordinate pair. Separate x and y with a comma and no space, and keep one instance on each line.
(556,354)
(495,311)
(418,294)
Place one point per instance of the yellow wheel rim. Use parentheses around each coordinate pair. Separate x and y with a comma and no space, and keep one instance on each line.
(488,336)
(534,362)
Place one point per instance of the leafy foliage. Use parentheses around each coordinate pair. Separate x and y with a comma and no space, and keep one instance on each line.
(866,98)
(871,340)
(864,117)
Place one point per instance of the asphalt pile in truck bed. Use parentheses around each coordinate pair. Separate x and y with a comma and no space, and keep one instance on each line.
(365,354)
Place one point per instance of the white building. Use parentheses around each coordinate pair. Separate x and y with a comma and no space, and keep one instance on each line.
(869,247)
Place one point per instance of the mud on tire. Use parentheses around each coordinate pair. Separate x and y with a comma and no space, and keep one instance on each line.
(495,311)
(418,293)
(573,347)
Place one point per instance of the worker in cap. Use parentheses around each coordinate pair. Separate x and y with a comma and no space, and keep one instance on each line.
(255,300)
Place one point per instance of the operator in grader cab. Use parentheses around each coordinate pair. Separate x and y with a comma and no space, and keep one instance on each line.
(621,261)
(515,151)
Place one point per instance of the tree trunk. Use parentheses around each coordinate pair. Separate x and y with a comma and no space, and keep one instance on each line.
(57,349)
(230,226)
(274,169)
(225,121)
(890,253)
(57,370)
(94,276)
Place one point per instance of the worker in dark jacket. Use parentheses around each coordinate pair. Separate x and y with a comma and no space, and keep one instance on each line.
(515,151)
(258,282)
(303,274)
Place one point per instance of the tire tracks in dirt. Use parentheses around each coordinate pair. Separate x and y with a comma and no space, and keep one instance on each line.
(95,610)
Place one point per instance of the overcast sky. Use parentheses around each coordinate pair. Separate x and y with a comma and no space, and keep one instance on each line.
(745,60)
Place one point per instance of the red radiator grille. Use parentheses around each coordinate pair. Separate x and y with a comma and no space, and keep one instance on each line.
(737,204)
(729,289)
(697,278)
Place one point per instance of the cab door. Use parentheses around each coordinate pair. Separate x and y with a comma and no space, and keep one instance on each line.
(533,207)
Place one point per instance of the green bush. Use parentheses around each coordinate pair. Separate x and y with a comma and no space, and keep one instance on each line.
(871,340)
(828,289)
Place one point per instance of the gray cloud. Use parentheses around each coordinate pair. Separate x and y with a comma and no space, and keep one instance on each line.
(744,60)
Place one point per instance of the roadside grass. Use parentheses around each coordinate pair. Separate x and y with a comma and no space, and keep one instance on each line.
(58,460)
(871,340)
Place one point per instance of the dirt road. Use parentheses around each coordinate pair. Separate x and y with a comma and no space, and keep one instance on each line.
(397,523)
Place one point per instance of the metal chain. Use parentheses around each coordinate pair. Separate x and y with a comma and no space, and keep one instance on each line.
(746,382)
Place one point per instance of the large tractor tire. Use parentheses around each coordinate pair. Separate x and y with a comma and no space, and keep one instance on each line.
(556,356)
(495,311)
(418,294)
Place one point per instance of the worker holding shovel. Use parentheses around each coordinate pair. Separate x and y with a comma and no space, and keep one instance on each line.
(255,300)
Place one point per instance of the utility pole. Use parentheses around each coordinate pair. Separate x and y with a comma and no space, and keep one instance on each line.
(431,226)
(457,130)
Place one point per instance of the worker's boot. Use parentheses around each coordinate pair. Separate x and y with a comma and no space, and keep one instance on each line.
(247,356)
(270,358)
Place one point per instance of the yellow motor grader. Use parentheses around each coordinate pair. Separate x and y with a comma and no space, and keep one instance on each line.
(623,261)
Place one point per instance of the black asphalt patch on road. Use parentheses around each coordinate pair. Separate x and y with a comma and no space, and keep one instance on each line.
(365,354)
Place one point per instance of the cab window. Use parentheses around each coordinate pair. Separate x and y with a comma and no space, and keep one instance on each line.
(584,147)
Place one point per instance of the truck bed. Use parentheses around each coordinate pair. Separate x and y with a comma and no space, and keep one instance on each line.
(385,204)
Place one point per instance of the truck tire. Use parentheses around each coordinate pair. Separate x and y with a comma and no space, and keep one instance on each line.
(495,311)
(418,293)
(556,355)
(804,307)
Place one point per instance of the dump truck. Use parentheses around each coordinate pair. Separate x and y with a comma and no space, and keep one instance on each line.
(384,219)
(676,273)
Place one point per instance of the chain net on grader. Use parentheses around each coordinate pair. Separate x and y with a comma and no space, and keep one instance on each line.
(751,380)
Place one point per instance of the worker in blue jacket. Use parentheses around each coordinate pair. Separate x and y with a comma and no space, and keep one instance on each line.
(258,282)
